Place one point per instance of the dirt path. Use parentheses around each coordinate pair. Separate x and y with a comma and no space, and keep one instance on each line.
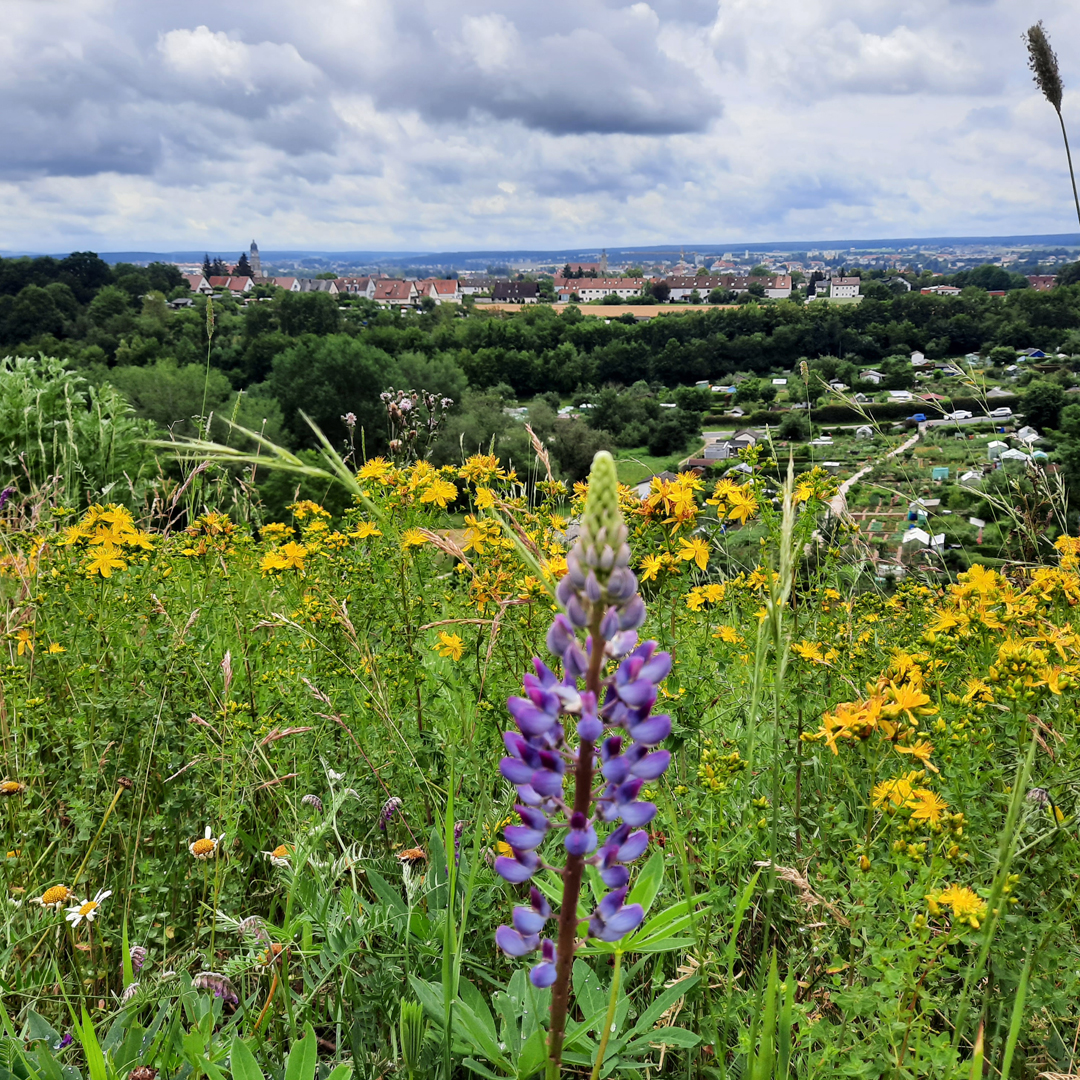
(838,503)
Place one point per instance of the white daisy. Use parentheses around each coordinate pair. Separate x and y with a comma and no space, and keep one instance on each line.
(280,855)
(207,846)
(88,909)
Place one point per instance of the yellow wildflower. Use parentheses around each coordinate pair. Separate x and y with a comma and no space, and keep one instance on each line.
(742,506)
(695,549)
(926,805)
(25,640)
(896,790)
(695,600)
(56,647)
(650,567)
(411,538)
(364,530)
(375,469)
(810,651)
(450,645)
(104,561)
(921,750)
(439,491)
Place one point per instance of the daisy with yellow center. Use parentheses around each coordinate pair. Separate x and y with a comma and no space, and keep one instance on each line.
(280,855)
(54,897)
(206,847)
(88,909)
(11,787)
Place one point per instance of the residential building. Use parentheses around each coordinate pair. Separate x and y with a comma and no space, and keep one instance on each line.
(356,286)
(441,290)
(391,292)
(872,376)
(941,290)
(474,286)
(598,288)
(844,288)
(326,285)
(516,292)
(901,395)
(289,284)
(197,283)
(1042,282)
(236,285)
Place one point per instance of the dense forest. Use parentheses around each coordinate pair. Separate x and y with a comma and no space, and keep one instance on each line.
(261,362)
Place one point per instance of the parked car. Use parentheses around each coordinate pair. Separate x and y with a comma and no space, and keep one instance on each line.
(1003,412)
(959,414)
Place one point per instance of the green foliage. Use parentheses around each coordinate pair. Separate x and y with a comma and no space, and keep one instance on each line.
(57,429)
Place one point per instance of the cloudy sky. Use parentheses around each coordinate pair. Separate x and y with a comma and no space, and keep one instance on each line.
(366,124)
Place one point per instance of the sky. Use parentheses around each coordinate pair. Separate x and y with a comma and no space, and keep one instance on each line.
(427,126)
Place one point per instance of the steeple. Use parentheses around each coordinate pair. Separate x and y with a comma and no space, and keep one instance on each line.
(253,258)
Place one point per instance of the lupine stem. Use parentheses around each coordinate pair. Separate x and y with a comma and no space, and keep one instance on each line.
(572,873)
(609,1019)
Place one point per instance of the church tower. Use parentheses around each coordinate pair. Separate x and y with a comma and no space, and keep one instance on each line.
(253,259)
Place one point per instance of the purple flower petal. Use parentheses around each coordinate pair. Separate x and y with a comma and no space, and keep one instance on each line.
(633,614)
(639,694)
(517,772)
(650,766)
(637,813)
(514,944)
(522,838)
(528,921)
(542,975)
(609,625)
(633,848)
(580,841)
(652,731)
(657,669)
(615,877)
(511,870)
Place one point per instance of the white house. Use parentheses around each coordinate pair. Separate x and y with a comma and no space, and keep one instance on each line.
(441,290)
(356,286)
(598,288)
(920,540)
(971,478)
(197,283)
(872,376)
(841,288)
(864,432)
(995,449)
(917,358)
(1028,435)
(1014,458)
(901,395)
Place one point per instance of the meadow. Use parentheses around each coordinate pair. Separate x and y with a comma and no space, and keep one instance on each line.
(253,804)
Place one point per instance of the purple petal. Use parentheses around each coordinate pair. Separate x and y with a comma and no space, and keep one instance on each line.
(652,765)
(528,921)
(633,614)
(634,847)
(622,642)
(592,588)
(542,975)
(621,584)
(528,794)
(580,841)
(522,838)
(514,944)
(637,813)
(575,662)
(639,694)
(517,772)
(535,819)
(529,718)
(560,635)
(652,731)
(576,612)
(539,902)
(615,877)
(565,589)
(610,904)
(609,625)
(616,770)
(590,728)
(620,924)
(657,669)
(513,871)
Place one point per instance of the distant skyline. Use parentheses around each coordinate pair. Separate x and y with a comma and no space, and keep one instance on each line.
(356,125)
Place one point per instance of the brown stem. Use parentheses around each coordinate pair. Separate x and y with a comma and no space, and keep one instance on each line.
(572,873)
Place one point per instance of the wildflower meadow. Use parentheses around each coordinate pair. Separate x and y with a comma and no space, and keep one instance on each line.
(268,812)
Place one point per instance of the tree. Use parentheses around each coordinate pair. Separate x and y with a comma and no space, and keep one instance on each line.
(635,272)
(308,313)
(327,377)
(661,290)
(33,313)
(720,296)
(207,267)
(109,302)
(794,427)
(1069,274)
(759,271)
(1042,403)
(218,268)
(243,267)
(84,273)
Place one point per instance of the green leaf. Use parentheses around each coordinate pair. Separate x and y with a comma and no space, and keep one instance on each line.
(662,1003)
(341,1072)
(673,1036)
(467,1023)
(533,1056)
(95,1059)
(430,996)
(244,1065)
(479,1069)
(303,1057)
(648,883)
(387,893)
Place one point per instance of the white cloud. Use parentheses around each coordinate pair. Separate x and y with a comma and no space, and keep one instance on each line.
(358,124)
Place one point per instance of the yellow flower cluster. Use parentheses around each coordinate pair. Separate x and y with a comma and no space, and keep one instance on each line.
(108,537)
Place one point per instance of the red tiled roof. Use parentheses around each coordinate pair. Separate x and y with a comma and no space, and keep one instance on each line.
(389,289)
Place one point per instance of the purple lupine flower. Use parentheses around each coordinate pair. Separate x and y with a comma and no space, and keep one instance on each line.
(389,809)
(66,1041)
(5,495)
(313,801)
(597,627)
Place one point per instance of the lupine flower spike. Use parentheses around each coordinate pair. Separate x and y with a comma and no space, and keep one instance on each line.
(601,612)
